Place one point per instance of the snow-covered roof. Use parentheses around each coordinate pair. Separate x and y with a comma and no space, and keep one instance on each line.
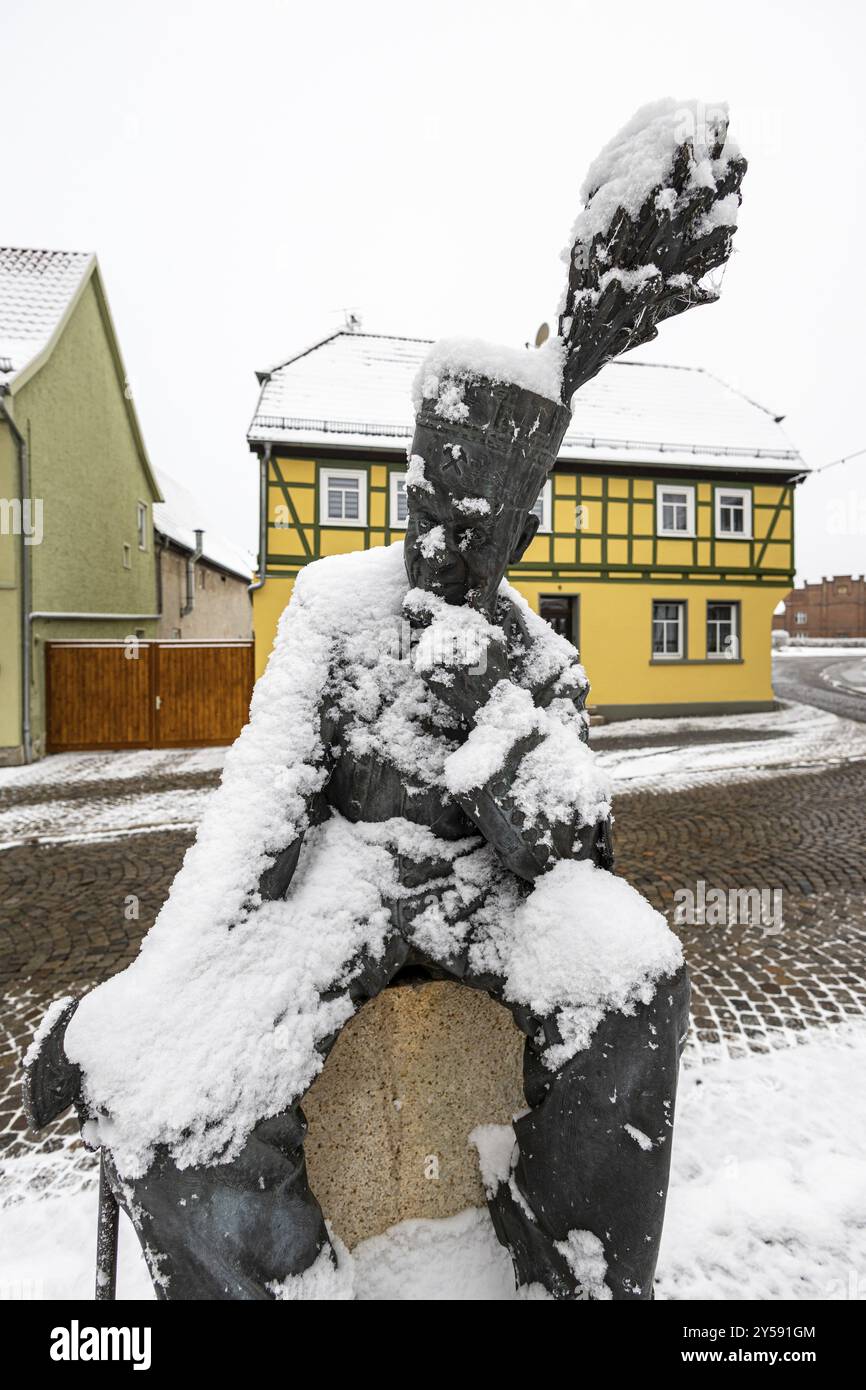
(38,292)
(37,289)
(352,391)
(177,519)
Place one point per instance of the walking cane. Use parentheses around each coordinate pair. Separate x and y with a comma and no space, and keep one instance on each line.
(106,1239)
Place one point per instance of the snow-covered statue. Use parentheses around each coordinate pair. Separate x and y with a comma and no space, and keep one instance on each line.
(414,790)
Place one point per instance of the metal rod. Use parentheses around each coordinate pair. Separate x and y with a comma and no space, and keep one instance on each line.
(106,1239)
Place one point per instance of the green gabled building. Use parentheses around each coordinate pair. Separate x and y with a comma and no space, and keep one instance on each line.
(76,487)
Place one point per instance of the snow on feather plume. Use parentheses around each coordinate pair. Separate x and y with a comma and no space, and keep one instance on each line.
(660,208)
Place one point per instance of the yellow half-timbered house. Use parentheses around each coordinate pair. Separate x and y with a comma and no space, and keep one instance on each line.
(666,529)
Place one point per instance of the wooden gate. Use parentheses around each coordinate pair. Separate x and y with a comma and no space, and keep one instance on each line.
(140,694)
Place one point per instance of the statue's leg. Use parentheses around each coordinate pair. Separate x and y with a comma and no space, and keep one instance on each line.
(243,1229)
(229,1230)
(594,1155)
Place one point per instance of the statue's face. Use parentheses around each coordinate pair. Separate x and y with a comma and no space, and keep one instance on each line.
(458,552)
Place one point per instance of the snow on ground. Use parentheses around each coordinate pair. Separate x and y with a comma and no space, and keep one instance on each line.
(664,754)
(61,769)
(103,817)
(817,650)
(132,792)
(849,676)
(767,1201)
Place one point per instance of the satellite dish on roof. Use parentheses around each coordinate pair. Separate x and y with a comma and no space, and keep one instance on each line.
(542,335)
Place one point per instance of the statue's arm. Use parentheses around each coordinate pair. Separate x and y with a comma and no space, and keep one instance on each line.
(276,880)
(530,843)
(524,776)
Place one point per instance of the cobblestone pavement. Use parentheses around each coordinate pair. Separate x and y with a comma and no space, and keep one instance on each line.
(829,683)
(74,913)
(755,985)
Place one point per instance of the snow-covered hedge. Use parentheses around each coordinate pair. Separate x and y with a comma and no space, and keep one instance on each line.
(826,641)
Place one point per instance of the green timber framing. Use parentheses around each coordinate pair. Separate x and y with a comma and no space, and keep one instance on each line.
(603,571)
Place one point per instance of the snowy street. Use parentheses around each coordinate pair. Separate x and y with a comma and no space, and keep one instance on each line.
(830,678)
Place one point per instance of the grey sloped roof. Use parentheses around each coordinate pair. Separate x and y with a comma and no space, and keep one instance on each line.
(38,293)
(36,290)
(352,390)
(177,517)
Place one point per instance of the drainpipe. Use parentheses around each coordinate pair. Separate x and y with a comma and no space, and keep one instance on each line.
(264,461)
(190,575)
(98,617)
(160,555)
(24,488)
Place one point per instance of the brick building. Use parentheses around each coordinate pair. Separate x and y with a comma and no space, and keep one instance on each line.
(834,607)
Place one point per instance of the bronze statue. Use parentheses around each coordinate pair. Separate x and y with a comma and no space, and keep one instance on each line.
(426,804)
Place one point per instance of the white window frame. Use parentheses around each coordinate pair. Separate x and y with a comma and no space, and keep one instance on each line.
(325,475)
(661,490)
(141,524)
(680,653)
(733,653)
(801,618)
(745,496)
(395,478)
(546,498)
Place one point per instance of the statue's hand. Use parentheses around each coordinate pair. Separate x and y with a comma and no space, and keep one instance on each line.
(466,687)
(457,650)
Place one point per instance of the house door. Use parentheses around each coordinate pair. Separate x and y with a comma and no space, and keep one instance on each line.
(203,692)
(562,611)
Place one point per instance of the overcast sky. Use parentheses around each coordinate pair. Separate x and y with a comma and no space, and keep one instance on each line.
(247,171)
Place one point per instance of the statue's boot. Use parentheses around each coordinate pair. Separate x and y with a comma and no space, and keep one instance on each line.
(582,1213)
(229,1231)
(233,1230)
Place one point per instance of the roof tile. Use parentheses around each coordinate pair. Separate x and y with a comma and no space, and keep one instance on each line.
(35,290)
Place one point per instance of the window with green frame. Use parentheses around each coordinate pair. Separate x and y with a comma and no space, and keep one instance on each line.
(723,631)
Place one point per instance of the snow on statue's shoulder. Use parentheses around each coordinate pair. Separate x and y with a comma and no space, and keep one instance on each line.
(452,362)
(339,591)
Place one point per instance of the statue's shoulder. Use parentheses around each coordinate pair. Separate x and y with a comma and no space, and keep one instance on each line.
(541,660)
(341,593)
